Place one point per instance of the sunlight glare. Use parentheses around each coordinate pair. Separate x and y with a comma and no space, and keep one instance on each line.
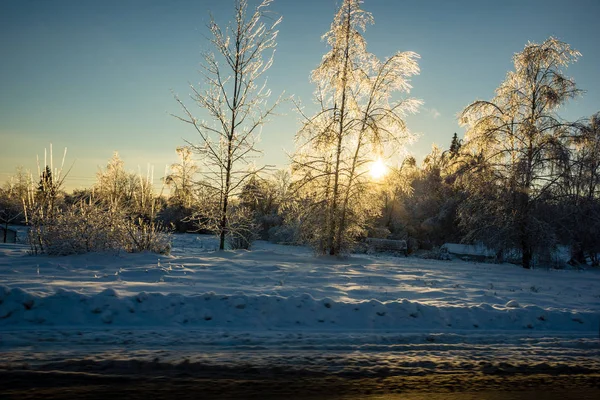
(378,169)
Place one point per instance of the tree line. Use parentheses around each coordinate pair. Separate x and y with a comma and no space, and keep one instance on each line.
(522,180)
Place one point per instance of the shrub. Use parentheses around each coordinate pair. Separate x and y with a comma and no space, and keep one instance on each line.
(242,229)
(283,234)
(143,235)
(89,227)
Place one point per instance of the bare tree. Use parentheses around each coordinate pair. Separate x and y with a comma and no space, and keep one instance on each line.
(521,140)
(236,102)
(359,121)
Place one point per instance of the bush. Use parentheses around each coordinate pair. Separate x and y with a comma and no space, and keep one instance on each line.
(242,229)
(283,234)
(143,235)
(178,217)
(88,227)
(267,222)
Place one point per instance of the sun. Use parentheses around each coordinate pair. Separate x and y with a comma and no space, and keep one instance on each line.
(378,169)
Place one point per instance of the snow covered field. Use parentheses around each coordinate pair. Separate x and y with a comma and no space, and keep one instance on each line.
(280,305)
(284,287)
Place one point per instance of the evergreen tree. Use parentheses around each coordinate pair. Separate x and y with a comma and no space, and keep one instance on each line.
(455,146)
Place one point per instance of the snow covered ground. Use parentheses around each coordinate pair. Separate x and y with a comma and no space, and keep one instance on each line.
(280,305)
(284,287)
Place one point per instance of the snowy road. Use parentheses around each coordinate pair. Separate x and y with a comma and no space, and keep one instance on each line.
(167,364)
(281,355)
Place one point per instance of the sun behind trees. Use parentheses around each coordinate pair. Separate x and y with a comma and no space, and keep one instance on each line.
(523,182)
(358,122)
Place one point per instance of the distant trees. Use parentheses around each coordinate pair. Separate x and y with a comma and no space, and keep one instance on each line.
(118,189)
(420,201)
(521,181)
(10,212)
(358,122)
(181,179)
(522,142)
(12,198)
(41,206)
(130,209)
(113,184)
(577,195)
(118,214)
(235,100)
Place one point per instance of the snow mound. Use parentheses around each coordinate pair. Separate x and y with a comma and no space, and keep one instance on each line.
(513,304)
(21,308)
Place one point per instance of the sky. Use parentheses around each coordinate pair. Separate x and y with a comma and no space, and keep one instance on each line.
(98,76)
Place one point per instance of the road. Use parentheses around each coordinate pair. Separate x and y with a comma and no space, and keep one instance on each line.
(111,364)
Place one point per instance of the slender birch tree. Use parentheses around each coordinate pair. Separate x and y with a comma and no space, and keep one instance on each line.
(359,120)
(234,95)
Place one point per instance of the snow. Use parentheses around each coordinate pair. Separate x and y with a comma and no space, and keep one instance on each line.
(467,250)
(283,297)
(286,287)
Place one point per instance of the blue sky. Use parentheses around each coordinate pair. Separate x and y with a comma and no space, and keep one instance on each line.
(96,76)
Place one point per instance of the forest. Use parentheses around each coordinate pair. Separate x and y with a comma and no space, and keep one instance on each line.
(522,181)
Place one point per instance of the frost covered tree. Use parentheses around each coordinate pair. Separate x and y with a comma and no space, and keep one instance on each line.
(520,140)
(184,193)
(181,179)
(578,194)
(42,200)
(17,186)
(132,193)
(10,211)
(359,121)
(587,158)
(12,199)
(234,96)
(113,183)
(419,202)
(41,207)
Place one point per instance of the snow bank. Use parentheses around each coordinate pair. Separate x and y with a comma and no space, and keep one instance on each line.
(263,312)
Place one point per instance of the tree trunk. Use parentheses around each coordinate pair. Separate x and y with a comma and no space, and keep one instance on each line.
(342,225)
(334,203)
(577,253)
(500,256)
(526,250)
(223,224)
(522,214)
(333,246)
(230,139)
(527,254)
